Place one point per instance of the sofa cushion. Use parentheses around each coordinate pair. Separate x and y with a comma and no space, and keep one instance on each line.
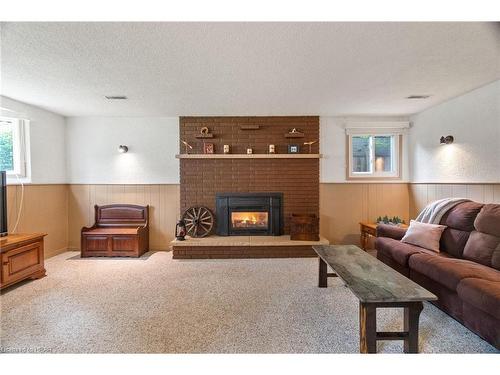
(460,222)
(424,235)
(453,241)
(488,220)
(400,251)
(462,216)
(483,248)
(450,271)
(483,245)
(482,294)
(391,231)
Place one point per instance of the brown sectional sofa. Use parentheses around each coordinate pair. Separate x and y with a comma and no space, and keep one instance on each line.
(465,274)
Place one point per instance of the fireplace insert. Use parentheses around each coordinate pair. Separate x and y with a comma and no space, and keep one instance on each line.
(258,214)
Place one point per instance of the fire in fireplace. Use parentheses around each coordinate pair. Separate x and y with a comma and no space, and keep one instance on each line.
(257,220)
(249,214)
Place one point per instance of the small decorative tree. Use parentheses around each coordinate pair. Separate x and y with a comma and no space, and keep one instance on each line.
(396,220)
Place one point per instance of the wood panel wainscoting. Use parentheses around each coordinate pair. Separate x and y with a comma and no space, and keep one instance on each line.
(44,210)
(62,210)
(344,205)
(421,194)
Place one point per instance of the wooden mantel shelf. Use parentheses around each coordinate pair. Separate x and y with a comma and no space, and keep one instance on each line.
(246,156)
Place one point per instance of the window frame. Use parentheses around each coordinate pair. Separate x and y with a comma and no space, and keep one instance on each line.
(18,146)
(396,159)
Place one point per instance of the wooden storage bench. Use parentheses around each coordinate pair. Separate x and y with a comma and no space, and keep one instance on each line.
(119,230)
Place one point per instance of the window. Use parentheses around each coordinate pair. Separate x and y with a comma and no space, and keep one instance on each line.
(374,156)
(12,146)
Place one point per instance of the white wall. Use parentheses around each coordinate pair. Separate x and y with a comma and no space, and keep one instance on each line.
(474,120)
(83,149)
(333,148)
(46,135)
(92,156)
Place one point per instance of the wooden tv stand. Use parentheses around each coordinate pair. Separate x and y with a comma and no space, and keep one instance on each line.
(22,258)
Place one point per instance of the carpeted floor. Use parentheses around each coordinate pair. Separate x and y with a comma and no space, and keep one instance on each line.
(159,305)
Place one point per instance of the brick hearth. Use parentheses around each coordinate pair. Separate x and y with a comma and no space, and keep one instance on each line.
(215,247)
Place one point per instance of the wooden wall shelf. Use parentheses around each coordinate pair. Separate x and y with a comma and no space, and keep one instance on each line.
(249,127)
(294,135)
(245,156)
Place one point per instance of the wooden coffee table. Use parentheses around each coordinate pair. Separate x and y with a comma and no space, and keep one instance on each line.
(376,285)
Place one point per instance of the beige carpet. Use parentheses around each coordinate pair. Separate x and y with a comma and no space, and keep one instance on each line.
(159,305)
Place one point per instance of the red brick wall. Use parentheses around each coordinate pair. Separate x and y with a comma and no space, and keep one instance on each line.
(297,179)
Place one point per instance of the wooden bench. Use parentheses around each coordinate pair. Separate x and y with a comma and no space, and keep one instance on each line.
(119,230)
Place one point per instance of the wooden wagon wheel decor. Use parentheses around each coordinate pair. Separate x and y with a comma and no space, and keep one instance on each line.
(199,221)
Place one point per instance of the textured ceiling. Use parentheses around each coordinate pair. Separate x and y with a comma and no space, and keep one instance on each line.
(170,69)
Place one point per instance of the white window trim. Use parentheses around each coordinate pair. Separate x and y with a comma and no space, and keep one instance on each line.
(18,146)
(395,151)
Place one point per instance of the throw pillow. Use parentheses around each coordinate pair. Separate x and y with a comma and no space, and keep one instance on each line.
(424,235)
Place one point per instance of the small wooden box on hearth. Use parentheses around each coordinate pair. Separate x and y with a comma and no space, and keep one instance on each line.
(304,227)
(119,230)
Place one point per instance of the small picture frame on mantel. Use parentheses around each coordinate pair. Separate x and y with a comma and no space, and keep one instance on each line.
(208,148)
(293,149)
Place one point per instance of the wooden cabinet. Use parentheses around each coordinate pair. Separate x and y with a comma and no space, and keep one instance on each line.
(22,258)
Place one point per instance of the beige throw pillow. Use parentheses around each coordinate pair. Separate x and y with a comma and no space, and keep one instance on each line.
(424,235)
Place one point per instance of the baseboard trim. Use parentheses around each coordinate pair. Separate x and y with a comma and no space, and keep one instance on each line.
(51,253)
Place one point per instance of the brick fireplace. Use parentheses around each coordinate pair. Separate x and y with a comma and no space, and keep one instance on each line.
(297,179)
(258,223)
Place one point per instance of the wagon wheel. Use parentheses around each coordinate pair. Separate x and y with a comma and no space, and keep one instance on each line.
(199,221)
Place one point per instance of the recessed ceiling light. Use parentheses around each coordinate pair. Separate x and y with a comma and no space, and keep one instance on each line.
(116,97)
(417,97)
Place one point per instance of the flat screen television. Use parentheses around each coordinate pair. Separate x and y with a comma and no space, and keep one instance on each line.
(3,203)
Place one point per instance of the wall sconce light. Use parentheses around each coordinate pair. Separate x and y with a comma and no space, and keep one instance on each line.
(122,149)
(446,140)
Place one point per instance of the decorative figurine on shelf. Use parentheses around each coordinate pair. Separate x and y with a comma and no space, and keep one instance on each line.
(310,143)
(208,148)
(180,230)
(249,151)
(204,133)
(187,146)
(272,149)
(294,133)
(293,149)
(226,149)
